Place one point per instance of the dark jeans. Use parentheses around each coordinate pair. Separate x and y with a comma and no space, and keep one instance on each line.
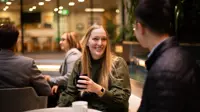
(53,99)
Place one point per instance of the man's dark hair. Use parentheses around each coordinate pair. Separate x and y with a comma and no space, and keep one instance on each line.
(8,36)
(155,15)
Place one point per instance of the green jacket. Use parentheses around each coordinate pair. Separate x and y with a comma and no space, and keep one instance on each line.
(115,98)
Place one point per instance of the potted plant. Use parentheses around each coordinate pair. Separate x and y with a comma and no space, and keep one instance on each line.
(130,6)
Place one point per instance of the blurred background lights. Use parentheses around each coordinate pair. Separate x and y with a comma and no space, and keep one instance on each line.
(41,3)
(71,3)
(56,9)
(81,0)
(117,10)
(34,7)
(8,3)
(65,12)
(61,7)
(30,9)
(60,11)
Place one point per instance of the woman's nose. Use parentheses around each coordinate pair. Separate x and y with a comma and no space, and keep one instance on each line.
(99,42)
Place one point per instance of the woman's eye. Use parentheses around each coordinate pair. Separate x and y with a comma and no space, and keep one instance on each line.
(62,39)
(95,39)
(103,39)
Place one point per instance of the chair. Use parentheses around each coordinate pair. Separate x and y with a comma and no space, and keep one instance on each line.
(21,99)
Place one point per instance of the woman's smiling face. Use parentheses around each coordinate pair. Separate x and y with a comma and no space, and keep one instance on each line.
(97,43)
(64,45)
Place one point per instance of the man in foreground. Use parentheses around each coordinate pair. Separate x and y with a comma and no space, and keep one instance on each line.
(172,83)
(18,71)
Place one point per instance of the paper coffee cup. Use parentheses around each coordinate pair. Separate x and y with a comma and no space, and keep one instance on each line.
(80,106)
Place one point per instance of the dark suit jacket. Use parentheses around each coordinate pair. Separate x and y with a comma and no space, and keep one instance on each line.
(172,83)
(19,71)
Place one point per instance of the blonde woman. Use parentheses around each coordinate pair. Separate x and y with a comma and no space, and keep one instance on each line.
(106,86)
(70,44)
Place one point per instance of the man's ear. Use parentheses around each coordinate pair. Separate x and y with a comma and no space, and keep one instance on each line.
(141,28)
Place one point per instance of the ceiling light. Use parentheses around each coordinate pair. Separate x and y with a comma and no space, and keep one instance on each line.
(56,9)
(81,0)
(94,10)
(60,11)
(30,9)
(61,7)
(117,10)
(41,3)
(34,7)
(6,7)
(8,3)
(71,3)
(47,0)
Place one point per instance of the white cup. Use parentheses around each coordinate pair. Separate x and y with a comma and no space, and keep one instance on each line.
(80,106)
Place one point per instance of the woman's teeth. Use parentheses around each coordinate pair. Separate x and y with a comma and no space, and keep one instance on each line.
(98,49)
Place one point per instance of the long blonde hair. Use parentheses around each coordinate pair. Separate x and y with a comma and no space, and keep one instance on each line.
(107,60)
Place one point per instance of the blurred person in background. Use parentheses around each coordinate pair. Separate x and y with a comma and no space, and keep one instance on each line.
(172,83)
(99,77)
(18,71)
(70,44)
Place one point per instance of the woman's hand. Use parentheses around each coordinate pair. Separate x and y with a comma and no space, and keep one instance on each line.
(54,89)
(47,77)
(88,84)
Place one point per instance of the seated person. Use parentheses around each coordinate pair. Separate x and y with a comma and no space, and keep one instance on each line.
(18,71)
(70,44)
(99,77)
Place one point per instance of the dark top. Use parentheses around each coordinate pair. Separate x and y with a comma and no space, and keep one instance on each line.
(172,83)
(115,98)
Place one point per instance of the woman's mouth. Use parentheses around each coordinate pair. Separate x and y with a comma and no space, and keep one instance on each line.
(99,49)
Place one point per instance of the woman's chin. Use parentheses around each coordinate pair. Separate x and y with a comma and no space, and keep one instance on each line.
(62,48)
(98,56)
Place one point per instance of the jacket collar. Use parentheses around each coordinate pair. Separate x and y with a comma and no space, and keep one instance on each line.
(6,52)
(168,43)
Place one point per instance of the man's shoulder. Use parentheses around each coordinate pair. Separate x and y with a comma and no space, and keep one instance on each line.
(176,55)
(23,58)
(174,59)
